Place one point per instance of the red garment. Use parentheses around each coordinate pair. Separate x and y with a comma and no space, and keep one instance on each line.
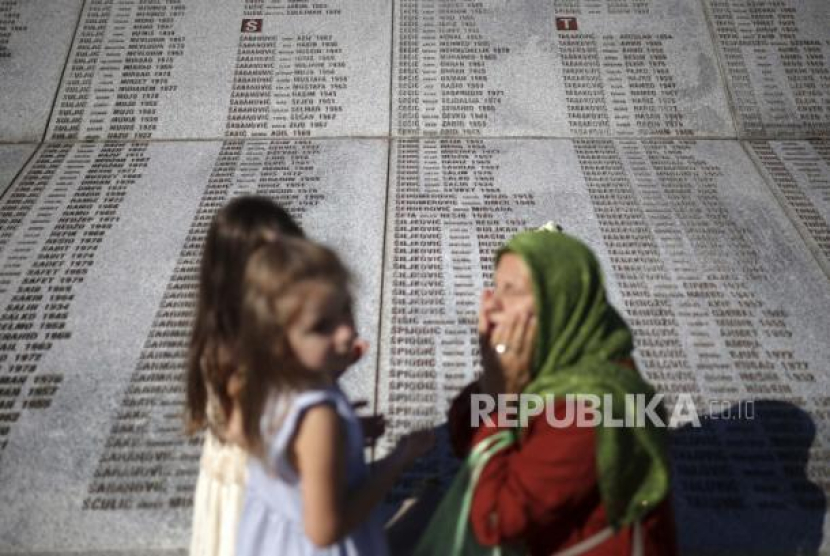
(543,490)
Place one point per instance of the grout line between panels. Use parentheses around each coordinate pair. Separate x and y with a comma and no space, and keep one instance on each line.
(727,84)
(376,393)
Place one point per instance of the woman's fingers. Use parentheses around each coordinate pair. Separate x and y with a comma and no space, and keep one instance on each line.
(528,339)
(502,331)
(517,330)
(516,360)
(524,334)
(497,336)
(511,332)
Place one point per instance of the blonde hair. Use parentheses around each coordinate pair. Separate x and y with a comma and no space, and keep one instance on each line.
(272,299)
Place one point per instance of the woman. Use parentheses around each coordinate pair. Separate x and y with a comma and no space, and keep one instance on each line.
(548,329)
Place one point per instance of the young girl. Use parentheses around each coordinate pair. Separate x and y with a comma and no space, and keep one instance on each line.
(309,489)
(237,230)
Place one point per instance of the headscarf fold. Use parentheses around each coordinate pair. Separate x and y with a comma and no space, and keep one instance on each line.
(580,344)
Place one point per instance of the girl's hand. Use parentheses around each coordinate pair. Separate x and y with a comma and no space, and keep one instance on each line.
(374,426)
(414,445)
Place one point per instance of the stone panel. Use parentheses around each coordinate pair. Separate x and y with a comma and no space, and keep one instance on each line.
(728,306)
(35,36)
(99,281)
(562,68)
(799,174)
(776,57)
(213,69)
(12,159)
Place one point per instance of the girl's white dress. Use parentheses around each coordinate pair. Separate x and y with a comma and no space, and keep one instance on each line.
(272,515)
(217,503)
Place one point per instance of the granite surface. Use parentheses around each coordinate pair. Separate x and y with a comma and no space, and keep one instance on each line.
(12,159)
(557,69)
(103,338)
(726,304)
(799,174)
(196,69)
(35,37)
(776,60)
(685,140)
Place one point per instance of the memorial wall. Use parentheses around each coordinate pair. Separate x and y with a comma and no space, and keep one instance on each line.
(687,141)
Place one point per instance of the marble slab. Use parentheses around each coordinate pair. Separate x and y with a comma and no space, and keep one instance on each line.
(554,69)
(97,285)
(776,59)
(799,174)
(196,69)
(12,159)
(35,36)
(726,303)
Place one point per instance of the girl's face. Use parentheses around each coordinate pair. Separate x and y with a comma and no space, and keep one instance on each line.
(322,335)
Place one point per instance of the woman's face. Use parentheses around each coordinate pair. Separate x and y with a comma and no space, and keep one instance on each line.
(514,290)
(507,327)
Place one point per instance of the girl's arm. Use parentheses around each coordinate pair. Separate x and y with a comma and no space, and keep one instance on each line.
(328,513)
(320,460)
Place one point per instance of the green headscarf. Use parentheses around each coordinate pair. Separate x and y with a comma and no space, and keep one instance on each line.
(580,342)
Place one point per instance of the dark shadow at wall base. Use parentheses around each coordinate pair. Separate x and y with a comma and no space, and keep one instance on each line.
(418,494)
(740,484)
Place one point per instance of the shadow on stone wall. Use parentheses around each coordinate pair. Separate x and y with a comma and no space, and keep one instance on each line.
(418,494)
(740,485)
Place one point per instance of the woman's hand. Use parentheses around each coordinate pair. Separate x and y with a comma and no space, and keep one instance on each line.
(506,341)
(513,341)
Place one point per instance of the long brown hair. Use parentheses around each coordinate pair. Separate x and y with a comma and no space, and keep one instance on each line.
(273,295)
(237,230)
